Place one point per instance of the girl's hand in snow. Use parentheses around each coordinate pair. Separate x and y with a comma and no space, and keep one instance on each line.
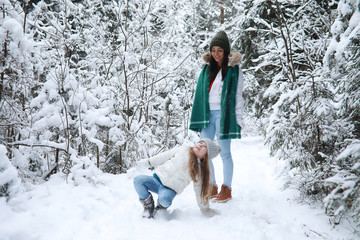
(209,212)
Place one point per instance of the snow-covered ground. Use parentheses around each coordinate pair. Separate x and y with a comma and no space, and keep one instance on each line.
(107,208)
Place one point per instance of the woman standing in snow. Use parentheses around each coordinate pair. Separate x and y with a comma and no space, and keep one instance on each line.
(174,170)
(218,106)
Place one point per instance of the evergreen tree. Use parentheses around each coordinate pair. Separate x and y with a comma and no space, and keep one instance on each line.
(16,81)
(295,84)
(15,72)
(342,62)
(10,183)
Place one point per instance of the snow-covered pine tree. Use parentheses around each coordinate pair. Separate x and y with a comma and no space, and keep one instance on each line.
(10,183)
(307,124)
(15,72)
(287,73)
(16,82)
(58,124)
(342,62)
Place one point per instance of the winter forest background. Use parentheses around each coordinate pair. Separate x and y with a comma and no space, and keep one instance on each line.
(100,83)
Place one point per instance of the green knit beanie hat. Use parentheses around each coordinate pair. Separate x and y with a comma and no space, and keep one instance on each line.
(221,40)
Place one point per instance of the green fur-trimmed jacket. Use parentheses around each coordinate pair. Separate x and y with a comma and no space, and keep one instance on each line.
(231,103)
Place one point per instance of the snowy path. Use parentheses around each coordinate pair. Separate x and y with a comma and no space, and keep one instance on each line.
(110,209)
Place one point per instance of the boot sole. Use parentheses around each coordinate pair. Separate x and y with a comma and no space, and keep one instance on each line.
(220,201)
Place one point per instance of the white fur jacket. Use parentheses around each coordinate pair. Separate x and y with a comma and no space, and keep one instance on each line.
(172,167)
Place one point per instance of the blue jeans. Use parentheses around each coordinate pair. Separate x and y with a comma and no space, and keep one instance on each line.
(225,144)
(143,184)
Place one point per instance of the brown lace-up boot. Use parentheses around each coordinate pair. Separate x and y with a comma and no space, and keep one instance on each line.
(224,195)
(214,191)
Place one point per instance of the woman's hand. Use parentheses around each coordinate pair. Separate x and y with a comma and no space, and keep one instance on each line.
(240,123)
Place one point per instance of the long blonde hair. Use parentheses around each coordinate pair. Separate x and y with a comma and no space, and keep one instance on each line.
(204,172)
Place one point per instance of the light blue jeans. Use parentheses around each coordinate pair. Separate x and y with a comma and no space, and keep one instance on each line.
(143,184)
(225,144)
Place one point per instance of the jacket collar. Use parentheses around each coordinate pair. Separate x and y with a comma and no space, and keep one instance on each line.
(234,58)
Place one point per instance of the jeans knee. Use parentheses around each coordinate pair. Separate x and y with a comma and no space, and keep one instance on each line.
(165,201)
(136,180)
(166,197)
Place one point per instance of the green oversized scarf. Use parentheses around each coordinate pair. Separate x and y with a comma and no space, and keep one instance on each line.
(200,113)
